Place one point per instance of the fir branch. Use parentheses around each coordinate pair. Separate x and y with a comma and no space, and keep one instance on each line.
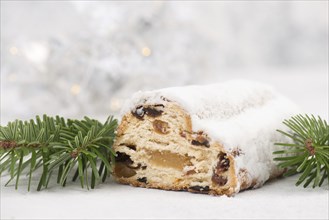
(57,147)
(308,155)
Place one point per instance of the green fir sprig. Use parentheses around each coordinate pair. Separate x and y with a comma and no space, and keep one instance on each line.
(308,152)
(56,146)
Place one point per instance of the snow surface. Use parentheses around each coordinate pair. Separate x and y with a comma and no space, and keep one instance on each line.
(238,113)
(278,199)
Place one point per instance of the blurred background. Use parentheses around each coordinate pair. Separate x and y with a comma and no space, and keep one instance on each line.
(77,58)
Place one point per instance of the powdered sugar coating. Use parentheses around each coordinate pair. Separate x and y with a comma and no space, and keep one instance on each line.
(239,114)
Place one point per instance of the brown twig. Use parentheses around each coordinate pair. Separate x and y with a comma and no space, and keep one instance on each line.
(309,146)
(8,144)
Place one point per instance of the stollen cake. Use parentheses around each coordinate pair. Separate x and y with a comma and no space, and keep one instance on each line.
(216,139)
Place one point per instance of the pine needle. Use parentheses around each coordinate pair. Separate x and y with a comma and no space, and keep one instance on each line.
(308,154)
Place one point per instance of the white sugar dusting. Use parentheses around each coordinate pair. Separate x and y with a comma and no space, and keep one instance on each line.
(239,114)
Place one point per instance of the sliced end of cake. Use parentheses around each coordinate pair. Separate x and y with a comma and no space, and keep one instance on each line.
(156,147)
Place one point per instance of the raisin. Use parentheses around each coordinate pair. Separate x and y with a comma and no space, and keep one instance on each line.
(138,112)
(131,146)
(144,167)
(200,189)
(223,163)
(154,111)
(123,157)
(142,180)
(219,179)
(160,127)
(200,139)
(151,110)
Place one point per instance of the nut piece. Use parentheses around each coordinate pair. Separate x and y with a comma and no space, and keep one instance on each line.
(160,127)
